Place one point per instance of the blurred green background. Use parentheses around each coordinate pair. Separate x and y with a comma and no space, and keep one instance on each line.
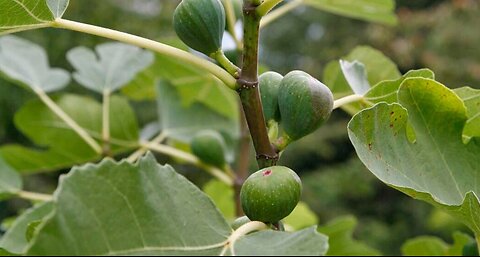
(435,34)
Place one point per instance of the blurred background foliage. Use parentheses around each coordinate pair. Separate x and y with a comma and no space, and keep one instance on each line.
(438,34)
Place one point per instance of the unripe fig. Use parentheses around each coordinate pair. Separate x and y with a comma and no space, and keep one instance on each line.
(270,194)
(200,24)
(269,84)
(210,147)
(305,104)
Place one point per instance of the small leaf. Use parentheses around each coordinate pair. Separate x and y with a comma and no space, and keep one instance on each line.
(27,63)
(19,15)
(382,11)
(438,168)
(15,240)
(155,211)
(378,68)
(10,180)
(471,99)
(356,76)
(110,67)
(60,146)
(341,241)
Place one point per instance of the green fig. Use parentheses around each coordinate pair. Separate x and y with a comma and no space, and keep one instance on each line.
(269,84)
(305,104)
(210,147)
(270,194)
(200,24)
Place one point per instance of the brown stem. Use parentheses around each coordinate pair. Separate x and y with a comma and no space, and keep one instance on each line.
(248,89)
(242,164)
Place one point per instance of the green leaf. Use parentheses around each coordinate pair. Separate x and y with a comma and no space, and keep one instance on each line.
(60,146)
(378,68)
(15,239)
(10,180)
(434,246)
(438,167)
(471,99)
(274,243)
(181,122)
(341,241)
(4,252)
(27,63)
(19,15)
(382,11)
(386,91)
(222,195)
(356,76)
(193,85)
(301,217)
(424,246)
(145,208)
(110,67)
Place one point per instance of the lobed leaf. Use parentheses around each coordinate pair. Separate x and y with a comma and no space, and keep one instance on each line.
(155,211)
(27,63)
(110,67)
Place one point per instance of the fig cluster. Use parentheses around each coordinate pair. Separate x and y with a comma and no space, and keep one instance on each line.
(298,102)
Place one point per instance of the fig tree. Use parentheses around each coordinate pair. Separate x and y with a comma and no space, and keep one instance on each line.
(270,194)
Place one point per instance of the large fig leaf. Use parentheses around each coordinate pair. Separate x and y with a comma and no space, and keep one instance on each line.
(15,240)
(148,209)
(110,67)
(10,180)
(27,63)
(62,147)
(438,167)
(19,15)
(382,11)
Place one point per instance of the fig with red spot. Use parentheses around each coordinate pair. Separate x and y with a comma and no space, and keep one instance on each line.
(270,194)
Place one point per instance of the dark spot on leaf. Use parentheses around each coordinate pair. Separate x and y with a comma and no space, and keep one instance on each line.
(370,146)
(392,113)
(391,125)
